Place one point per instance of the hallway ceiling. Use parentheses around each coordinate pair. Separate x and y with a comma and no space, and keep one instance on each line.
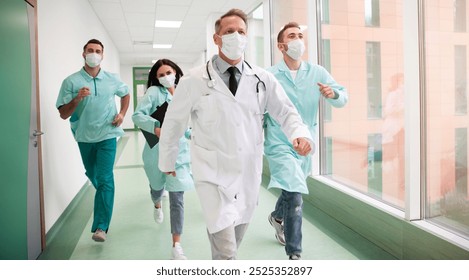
(131,26)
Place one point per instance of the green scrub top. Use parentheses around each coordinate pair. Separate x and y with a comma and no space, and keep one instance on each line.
(288,169)
(155,97)
(91,121)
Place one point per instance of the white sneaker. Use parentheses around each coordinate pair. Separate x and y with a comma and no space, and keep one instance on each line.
(177,253)
(158,214)
(279,234)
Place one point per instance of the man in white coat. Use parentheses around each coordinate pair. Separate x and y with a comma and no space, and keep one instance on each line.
(226,100)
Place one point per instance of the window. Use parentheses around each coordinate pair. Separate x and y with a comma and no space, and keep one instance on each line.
(362,145)
(325,11)
(326,63)
(284,12)
(367,154)
(375,165)
(461,160)
(328,143)
(446,191)
(460,79)
(372,13)
(373,76)
(460,15)
(255,50)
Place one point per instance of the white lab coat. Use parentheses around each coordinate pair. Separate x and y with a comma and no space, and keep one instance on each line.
(227,139)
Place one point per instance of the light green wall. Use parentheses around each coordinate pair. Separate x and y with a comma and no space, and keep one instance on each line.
(15,84)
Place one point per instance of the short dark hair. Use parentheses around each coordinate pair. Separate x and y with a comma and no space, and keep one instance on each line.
(288,25)
(153,80)
(93,41)
(233,12)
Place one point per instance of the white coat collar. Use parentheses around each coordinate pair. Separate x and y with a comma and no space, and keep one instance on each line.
(219,84)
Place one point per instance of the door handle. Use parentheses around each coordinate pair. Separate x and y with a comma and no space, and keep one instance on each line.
(37,133)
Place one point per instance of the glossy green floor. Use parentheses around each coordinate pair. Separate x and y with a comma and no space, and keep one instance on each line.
(134,235)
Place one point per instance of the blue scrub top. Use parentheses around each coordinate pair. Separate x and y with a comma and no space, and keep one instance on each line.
(288,169)
(91,121)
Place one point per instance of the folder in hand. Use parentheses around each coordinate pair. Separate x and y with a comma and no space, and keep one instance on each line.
(159,114)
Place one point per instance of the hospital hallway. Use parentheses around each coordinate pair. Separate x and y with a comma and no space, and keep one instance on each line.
(133,234)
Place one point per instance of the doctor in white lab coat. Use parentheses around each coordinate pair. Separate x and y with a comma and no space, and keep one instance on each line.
(227,136)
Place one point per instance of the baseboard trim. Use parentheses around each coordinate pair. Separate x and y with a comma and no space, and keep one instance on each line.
(63,236)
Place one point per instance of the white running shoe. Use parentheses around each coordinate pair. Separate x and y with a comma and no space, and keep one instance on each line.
(177,253)
(279,234)
(158,214)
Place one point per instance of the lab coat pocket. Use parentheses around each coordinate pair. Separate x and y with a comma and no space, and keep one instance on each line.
(230,170)
(204,165)
(207,110)
(230,192)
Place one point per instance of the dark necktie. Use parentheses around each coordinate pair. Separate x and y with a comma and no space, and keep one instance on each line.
(233,84)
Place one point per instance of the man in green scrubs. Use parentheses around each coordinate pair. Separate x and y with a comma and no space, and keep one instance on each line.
(88,98)
(305,83)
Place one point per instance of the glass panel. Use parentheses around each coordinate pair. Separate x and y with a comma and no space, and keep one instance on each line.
(328,143)
(141,88)
(141,74)
(446,199)
(140,83)
(373,76)
(325,12)
(284,12)
(368,149)
(461,160)
(375,165)
(326,62)
(255,50)
(460,70)
(460,15)
(372,13)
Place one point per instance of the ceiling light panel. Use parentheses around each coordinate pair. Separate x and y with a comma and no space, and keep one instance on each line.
(168,23)
(162,46)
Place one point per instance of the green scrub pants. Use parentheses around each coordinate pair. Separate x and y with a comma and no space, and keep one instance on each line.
(98,159)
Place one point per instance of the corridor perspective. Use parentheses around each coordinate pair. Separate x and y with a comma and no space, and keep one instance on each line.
(389,176)
(134,235)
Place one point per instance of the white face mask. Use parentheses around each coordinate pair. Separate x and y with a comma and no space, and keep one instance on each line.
(296,48)
(233,45)
(93,59)
(168,80)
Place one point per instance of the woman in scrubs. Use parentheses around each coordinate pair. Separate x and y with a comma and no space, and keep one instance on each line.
(162,80)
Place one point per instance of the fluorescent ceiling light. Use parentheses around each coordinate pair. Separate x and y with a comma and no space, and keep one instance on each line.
(162,46)
(168,23)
